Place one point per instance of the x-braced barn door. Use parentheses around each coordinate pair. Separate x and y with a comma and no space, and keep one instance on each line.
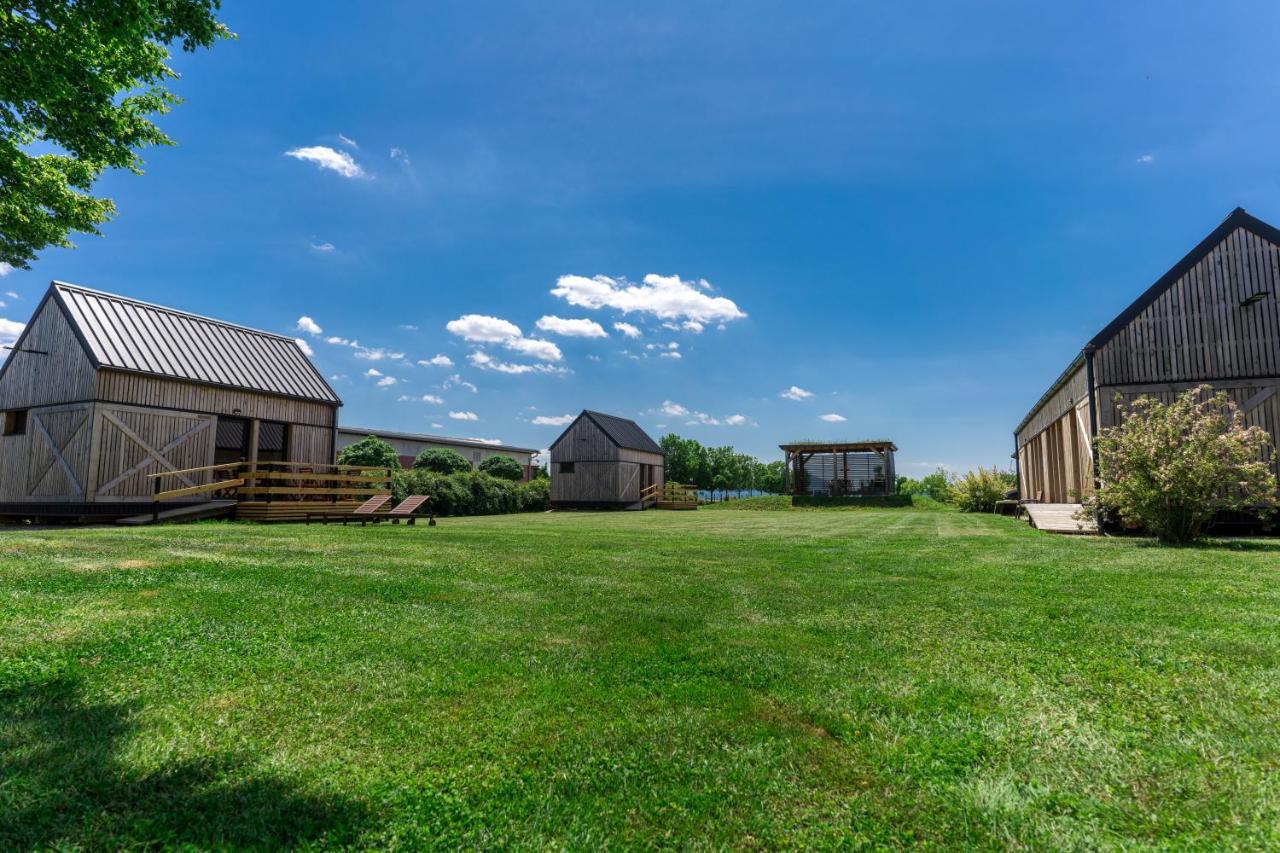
(135,442)
(59,452)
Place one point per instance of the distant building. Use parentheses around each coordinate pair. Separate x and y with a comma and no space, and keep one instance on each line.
(1214,318)
(604,461)
(101,390)
(409,444)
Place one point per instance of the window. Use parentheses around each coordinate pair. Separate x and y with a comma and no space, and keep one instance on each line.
(15,422)
(566,467)
(476,455)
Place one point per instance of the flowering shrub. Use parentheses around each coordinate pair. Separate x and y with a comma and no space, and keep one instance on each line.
(1170,469)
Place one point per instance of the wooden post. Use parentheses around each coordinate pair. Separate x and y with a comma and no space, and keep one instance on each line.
(155,500)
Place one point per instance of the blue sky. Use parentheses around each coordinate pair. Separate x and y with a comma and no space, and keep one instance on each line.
(914,217)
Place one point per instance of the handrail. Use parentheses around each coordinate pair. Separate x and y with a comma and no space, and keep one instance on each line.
(215,486)
(224,466)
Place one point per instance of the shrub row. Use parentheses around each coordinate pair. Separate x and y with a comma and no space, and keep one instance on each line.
(472,492)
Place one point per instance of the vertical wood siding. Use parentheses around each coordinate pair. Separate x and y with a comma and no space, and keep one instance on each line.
(65,375)
(138,389)
(1198,329)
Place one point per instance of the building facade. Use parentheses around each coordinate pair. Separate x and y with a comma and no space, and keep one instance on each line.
(605,462)
(408,445)
(100,391)
(1214,318)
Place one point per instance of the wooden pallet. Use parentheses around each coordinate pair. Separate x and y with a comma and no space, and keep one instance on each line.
(1059,518)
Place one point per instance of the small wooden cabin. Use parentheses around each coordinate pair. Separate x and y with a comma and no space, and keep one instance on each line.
(604,461)
(1214,318)
(99,391)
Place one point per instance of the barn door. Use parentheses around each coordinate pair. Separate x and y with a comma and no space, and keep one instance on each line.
(59,442)
(134,442)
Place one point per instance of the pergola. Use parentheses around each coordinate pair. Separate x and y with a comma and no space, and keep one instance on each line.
(870,471)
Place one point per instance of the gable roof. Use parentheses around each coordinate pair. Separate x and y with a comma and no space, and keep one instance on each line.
(623,432)
(119,333)
(1238,218)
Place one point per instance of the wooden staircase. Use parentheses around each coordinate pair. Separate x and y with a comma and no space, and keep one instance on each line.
(670,496)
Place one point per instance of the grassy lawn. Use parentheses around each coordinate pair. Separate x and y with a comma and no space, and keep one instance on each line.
(711,678)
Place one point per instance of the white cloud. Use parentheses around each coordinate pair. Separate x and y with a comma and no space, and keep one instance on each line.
(373,372)
(348,141)
(480,328)
(571,328)
(833,418)
(5,269)
(401,155)
(627,329)
(735,420)
(12,294)
(306,324)
(305,347)
(328,158)
(437,426)
(9,331)
(484,361)
(795,392)
(486,440)
(440,360)
(408,327)
(674,410)
(364,352)
(665,297)
(433,399)
(559,420)
(1146,158)
(404,398)
(386,381)
(323,248)
(693,326)
(464,416)
(457,381)
(673,345)
(675,356)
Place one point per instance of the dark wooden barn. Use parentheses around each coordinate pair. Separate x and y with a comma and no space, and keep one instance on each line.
(1214,318)
(101,391)
(604,461)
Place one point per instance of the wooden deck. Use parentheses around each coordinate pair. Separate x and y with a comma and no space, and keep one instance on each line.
(1058,518)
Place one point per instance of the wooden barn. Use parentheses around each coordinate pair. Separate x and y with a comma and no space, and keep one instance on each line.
(1213,318)
(605,462)
(100,391)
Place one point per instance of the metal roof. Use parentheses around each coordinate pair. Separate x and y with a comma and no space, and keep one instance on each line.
(124,334)
(623,432)
(864,445)
(433,439)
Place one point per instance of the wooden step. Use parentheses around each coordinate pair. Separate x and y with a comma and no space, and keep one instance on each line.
(1059,518)
(676,505)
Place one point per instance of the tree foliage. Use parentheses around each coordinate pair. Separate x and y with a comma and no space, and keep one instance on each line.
(936,485)
(371,452)
(442,460)
(1170,468)
(83,78)
(502,467)
(720,469)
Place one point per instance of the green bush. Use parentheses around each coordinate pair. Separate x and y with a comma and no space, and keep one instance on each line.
(370,451)
(472,492)
(935,485)
(502,467)
(442,461)
(978,491)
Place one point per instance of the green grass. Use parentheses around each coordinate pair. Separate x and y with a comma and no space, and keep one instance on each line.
(697,679)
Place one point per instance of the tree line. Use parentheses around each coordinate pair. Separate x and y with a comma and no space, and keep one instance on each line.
(718,469)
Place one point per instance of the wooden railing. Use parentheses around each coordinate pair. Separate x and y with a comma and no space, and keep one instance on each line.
(275,482)
(669,493)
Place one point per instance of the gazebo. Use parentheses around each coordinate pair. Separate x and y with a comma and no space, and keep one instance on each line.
(839,468)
